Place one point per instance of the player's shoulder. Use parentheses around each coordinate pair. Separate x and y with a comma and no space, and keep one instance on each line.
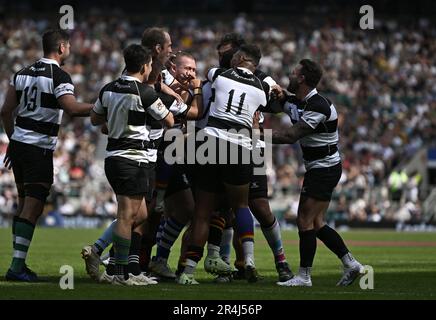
(60,75)
(214,73)
(319,103)
(145,89)
(147,94)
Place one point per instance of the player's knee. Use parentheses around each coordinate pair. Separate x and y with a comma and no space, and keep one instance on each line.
(318,223)
(37,191)
(304,223)
(263,215)
(139,219)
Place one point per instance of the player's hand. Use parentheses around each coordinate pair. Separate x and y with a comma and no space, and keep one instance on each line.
(167,90)
(256,119)
(170,64)
(104,129)
(277,92)
(7,160)
(178,97)
(195,83)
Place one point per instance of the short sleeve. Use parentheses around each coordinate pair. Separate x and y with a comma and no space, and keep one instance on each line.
(98,107)
(316,111)
(158,110)
(167,77)
(177,108)
(270,82)
(151,102)
(12,82)
(62,83)
(313,118)
(213,73)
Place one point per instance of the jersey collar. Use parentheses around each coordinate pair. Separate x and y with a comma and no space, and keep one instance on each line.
(129,78)
(245,70)
(310,94)
(49,61)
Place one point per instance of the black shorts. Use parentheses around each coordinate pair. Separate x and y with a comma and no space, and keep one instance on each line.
(319,183)
(226,170)
(130,178)
(258,187)
(179,180)
(259,182)
(30,163)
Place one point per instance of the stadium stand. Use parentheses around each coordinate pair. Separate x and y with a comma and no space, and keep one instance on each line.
(383,83)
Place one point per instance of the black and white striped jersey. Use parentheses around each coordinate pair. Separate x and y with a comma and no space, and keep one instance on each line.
(207,94)
(178,109)
(39,114)
(320,149)
(167,77)
(236,95)
(126,103)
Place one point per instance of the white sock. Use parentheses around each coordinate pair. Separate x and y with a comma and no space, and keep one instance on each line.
(348,260)
(248,248)
(190,266)
(213,250)
(305,272)
(274,238)
(226,244)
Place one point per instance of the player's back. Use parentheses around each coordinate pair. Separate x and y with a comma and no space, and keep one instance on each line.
(39,113)
(238,94)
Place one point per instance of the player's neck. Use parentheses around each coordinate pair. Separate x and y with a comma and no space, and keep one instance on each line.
(136,75)
(248,66)
(302,92)
(54,57)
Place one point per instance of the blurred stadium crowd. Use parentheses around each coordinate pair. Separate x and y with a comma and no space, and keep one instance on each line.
(382,81)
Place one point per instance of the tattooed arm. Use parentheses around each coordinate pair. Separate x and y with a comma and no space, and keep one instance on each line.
(292,134)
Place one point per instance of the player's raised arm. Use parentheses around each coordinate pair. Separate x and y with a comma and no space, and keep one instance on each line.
(196,106)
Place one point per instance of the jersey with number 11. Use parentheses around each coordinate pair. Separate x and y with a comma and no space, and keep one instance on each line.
(236,95)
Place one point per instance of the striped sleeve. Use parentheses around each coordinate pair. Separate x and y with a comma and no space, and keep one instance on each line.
(172,104)
(313,118)
(98,107)
(12,82)
(214,73)
(62,83)
(317,111)
(167,77)
(151,102)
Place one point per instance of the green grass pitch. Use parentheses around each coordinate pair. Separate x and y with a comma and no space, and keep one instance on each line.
(404,268)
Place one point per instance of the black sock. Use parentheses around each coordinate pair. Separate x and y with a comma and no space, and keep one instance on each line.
(110,269)
(180,266)
(332,240)
(145,252)
(135,246)
(99,249)
(14,221)
(120,270)
(194,253)
(307,248)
